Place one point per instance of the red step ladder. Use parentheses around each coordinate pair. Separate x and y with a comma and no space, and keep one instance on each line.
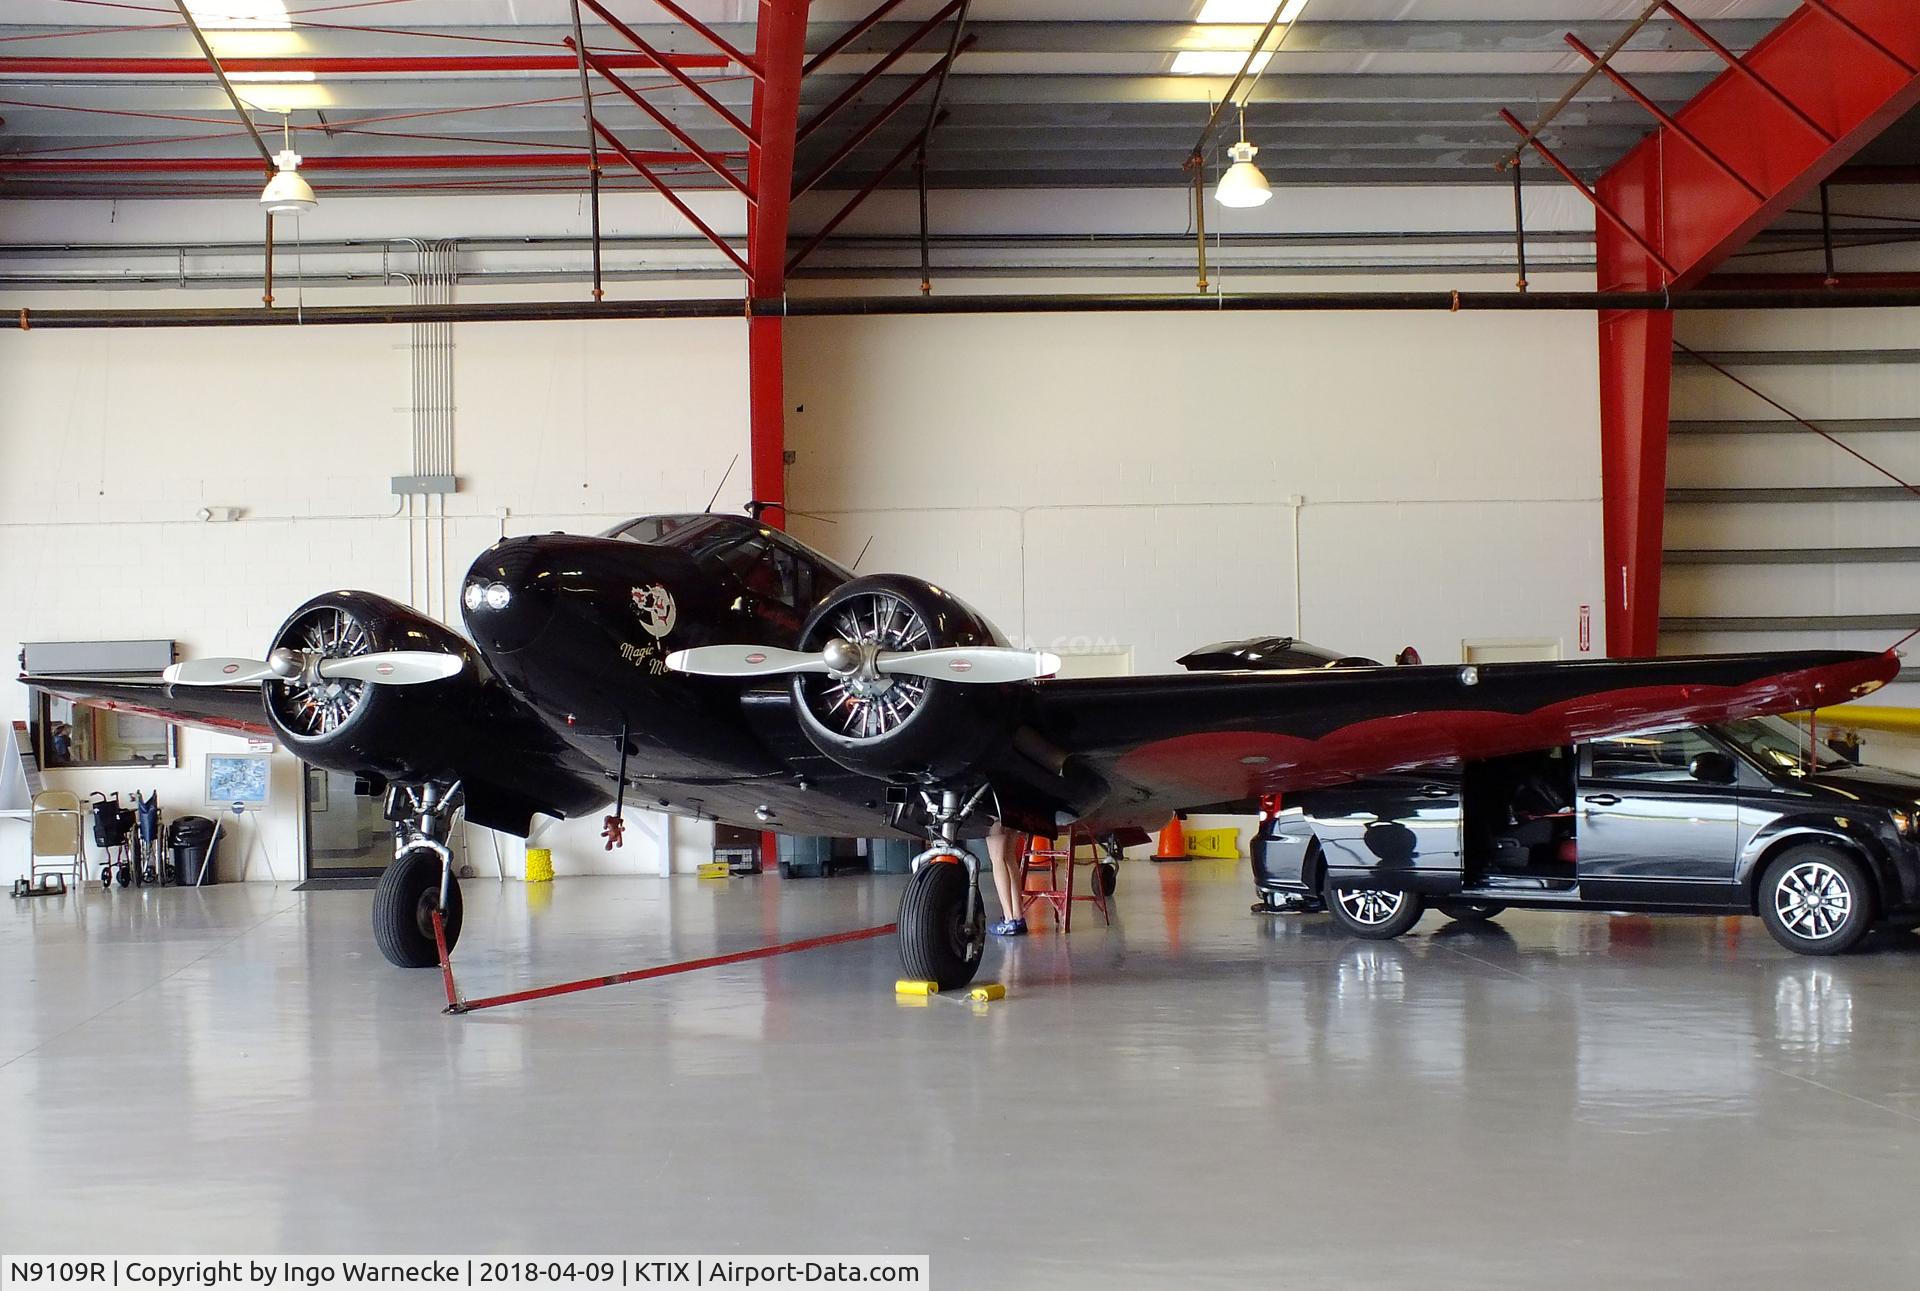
(1042,858)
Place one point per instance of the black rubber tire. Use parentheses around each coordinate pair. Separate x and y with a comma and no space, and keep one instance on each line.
(934,946)
(1106,878)
(1470,911)
(403,906)
(1859,894)
(1411,906)
(123,875)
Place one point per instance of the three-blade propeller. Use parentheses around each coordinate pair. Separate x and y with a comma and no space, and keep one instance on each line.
(978,665)
(382,668)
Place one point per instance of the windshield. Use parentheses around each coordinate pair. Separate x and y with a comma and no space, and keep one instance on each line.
(736,543)
(1777,744)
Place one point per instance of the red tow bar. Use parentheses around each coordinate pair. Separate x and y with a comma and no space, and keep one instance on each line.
(457,1005)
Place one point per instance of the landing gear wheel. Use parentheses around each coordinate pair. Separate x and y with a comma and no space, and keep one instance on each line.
(1106,877)
(1816,901)
(403,907)
(1373,913)
(940,940)
(1470,911)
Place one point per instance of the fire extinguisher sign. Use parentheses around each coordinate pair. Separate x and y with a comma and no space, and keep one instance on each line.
(1586,629)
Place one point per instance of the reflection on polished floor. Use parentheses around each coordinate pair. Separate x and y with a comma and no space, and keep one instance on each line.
(1198,1096)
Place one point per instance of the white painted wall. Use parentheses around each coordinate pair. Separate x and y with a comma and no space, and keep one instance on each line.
(1123,480)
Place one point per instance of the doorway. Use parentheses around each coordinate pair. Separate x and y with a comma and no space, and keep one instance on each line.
(348,835)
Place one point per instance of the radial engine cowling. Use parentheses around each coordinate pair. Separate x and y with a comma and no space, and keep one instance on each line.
(405,733)
(904,729)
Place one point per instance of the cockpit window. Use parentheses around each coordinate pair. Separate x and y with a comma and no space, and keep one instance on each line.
(766,560)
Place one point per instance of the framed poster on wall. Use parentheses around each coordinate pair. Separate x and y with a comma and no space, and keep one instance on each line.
(238,778)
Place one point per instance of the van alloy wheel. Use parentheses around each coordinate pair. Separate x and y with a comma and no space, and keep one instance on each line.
(1812,899)
(1366,906)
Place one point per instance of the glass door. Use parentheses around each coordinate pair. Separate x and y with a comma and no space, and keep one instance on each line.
(347,833)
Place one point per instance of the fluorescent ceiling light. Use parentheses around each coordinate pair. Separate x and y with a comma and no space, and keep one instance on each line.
(231,15)
(1215,62)
(283,97)
(1219,57)
(1249,11)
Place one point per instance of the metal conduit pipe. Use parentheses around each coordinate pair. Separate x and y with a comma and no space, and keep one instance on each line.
(874,306)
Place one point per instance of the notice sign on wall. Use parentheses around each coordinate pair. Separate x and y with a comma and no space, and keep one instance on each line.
(1586,629)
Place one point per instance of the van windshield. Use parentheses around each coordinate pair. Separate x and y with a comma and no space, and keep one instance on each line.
(1777,744)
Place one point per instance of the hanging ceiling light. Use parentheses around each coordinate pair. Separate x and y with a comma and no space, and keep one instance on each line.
(1243,185)
(287,193)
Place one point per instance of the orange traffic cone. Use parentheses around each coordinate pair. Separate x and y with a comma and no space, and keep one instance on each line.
(1173,841)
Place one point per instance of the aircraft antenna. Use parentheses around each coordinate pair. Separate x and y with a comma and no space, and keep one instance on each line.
(722,484)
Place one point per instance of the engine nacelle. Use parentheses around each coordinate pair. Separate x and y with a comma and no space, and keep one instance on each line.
(908,730)
(405,733)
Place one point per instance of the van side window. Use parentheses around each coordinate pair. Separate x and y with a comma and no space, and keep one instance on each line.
(1662,757)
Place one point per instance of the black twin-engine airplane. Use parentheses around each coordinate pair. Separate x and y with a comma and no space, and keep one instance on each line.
(717,668)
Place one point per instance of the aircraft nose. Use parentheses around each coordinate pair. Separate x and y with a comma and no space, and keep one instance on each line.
(509,595)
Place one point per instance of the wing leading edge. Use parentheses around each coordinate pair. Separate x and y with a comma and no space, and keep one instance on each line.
(233,710)
(1186,741)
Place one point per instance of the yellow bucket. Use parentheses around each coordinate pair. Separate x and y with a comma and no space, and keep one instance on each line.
(539,865)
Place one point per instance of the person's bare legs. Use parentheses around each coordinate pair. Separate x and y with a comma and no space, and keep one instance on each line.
(1000,846)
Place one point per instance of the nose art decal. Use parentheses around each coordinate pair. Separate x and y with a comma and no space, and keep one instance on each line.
(654,604)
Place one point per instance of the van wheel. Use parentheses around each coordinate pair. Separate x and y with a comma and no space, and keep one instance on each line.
(1372,913)
(1471,911)
(1816,901)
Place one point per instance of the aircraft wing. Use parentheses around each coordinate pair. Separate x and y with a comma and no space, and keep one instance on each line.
(1188,741)
(232,710)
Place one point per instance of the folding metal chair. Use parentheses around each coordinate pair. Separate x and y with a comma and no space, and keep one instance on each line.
(59,836)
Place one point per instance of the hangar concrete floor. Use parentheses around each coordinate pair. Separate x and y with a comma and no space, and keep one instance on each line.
(1194,1097)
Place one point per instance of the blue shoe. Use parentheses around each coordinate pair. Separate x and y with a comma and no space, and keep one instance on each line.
(1010,928)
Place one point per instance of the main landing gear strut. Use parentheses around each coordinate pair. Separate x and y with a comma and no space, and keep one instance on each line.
(943,922)
(420,881)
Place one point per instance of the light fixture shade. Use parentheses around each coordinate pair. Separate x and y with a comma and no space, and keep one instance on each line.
(286,193)
(1243,185)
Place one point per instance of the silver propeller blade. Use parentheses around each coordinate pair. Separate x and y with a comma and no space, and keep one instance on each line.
(979,665)
(743,661)
(394,667)
(218,672)
(989,665)
(385,668)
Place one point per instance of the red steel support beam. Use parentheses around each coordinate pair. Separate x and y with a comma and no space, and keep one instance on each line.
(780,49)
(160,68)
(667,123)
(781,42)
(1606,212)
(1660,114)
(1785,117)
(634,160)
(665,64)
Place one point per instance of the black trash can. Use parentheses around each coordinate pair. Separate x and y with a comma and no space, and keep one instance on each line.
(190,842)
